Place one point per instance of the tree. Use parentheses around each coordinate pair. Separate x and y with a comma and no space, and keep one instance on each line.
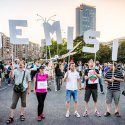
(121,52)
(104,53)
(62,48)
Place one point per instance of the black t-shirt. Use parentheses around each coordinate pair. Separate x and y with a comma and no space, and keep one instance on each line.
(58,72)
(91,83)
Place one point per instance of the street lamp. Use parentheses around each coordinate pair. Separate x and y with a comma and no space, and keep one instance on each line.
(45,20)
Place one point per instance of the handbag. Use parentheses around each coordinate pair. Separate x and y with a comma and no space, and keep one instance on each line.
(19,88)
(123,92)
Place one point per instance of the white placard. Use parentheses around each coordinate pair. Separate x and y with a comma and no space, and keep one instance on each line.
(89,38)
(70,38)
(42,85)
(55,27)
(14,32)
(0,40)
(115,50)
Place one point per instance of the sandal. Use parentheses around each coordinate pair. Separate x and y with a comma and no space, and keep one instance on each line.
(117,114)
(10,120)
(22,118)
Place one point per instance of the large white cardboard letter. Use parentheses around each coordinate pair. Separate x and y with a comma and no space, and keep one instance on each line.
(115,50)
(14,32)
(89,38)
(70,38)
(55,27)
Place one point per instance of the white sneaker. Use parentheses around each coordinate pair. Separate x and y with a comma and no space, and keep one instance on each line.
(85,114)
(67,114)
(77,114)
(97,114)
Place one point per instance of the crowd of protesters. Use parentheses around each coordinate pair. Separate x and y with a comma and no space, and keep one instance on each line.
(76,76)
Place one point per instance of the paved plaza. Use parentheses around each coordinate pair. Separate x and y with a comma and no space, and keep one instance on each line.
(55,110)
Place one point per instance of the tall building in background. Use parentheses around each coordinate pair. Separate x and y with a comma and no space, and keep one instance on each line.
(32,50)
(85,19)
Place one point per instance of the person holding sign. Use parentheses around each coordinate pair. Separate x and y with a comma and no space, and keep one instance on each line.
(92,79)
(40,89)
(73,84)
(113,91)
(20,91)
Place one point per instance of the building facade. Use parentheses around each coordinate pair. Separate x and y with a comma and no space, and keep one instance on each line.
(85,19)
(32,50)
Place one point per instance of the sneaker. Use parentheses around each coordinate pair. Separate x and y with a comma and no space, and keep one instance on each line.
(39,118)
(102,93)
(77,114)
(107,114)
(42,116)
(117,114)
(85,114)
(9,84)
(67,114)
(10,120)
(97,114)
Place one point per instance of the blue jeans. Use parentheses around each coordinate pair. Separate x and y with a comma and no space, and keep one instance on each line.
(71,93)
(100,83)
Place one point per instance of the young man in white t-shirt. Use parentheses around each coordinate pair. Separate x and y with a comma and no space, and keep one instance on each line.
(73,84)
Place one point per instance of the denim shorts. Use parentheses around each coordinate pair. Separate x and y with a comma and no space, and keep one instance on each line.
(71,93)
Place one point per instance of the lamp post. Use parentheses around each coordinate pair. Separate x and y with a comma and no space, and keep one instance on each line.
(45,20)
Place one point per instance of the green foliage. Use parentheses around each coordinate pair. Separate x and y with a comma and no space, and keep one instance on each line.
(121,52)
(103,55)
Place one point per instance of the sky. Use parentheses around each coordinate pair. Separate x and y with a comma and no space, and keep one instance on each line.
(110,16)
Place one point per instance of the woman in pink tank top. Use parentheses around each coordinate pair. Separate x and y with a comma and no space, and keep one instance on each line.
(40,89)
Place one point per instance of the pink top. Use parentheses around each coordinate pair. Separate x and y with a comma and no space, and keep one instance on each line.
(41,77)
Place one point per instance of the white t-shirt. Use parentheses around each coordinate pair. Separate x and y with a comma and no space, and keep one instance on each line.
(80,68)
(71,83)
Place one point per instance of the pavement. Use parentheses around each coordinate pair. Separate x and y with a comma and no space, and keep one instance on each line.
(55,109)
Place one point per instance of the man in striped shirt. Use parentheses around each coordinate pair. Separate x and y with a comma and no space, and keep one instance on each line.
(113,78)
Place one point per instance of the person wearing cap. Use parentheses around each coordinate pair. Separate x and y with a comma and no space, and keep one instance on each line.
(113,79)
(40,89)
(73,84)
